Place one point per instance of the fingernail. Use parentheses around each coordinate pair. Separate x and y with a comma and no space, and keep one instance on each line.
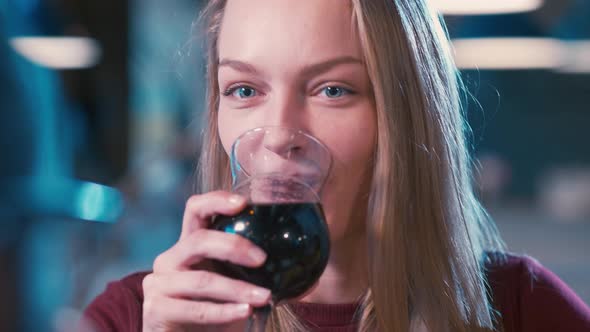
(236,199)
(260,294)
(243,309)
(257,255)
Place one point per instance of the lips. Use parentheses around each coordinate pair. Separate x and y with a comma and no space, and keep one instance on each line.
(283,188)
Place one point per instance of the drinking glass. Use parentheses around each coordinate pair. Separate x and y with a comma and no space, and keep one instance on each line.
(281,172)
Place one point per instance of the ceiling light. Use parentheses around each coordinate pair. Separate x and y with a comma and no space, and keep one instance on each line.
(508,53)
(576,57)
(481,7)
(58,52)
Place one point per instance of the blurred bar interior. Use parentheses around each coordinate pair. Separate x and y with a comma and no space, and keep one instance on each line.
(100,120)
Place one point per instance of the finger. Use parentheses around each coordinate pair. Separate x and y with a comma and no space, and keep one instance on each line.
(182,311)
(206,285)
(200,208)
(209,244)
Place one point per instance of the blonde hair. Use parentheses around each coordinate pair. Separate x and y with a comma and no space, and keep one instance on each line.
(428,234)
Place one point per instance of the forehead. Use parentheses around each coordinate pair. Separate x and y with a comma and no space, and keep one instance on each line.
(300,30)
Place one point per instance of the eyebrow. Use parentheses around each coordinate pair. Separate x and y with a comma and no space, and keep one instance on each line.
(238,66)
(307,70)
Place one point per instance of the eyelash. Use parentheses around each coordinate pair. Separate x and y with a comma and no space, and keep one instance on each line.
(232,89)
(344,91)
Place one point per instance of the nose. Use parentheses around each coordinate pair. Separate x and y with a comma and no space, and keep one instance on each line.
(283,142)
(285,116)
(286,109)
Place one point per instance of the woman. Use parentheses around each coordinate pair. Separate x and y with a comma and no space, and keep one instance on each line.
(412,250)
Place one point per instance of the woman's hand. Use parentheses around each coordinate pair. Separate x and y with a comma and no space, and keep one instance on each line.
(177,296)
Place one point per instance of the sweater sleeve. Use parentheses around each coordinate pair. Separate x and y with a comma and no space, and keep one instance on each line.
(547,303)
(118,308)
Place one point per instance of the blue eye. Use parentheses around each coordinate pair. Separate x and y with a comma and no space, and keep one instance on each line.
(242,92)
(335,91)
(245,92)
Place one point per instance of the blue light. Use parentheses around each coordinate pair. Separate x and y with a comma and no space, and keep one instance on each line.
(98,203)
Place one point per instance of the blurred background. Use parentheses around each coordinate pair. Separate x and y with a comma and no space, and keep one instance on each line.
(100,115)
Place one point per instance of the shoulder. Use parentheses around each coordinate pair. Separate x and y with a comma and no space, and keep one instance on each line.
(529,297)
(126,289)
(119,307)
(504,269)
(132,283)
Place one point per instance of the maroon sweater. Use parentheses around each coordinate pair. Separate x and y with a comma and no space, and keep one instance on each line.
(529,298)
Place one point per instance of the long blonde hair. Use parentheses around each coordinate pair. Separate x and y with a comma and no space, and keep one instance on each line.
(428,235)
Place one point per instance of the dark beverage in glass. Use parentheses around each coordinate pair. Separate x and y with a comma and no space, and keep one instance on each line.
(295,238)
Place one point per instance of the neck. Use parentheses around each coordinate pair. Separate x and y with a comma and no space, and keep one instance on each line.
(345,278)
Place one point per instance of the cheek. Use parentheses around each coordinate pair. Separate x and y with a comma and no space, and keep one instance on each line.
(356,147)
(229,129)
(351,169)
(352,141)
(344,195)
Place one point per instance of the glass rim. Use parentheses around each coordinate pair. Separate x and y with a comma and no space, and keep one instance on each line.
(291,129)
(315,194)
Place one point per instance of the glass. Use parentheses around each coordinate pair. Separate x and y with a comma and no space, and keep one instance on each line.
(281,172)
